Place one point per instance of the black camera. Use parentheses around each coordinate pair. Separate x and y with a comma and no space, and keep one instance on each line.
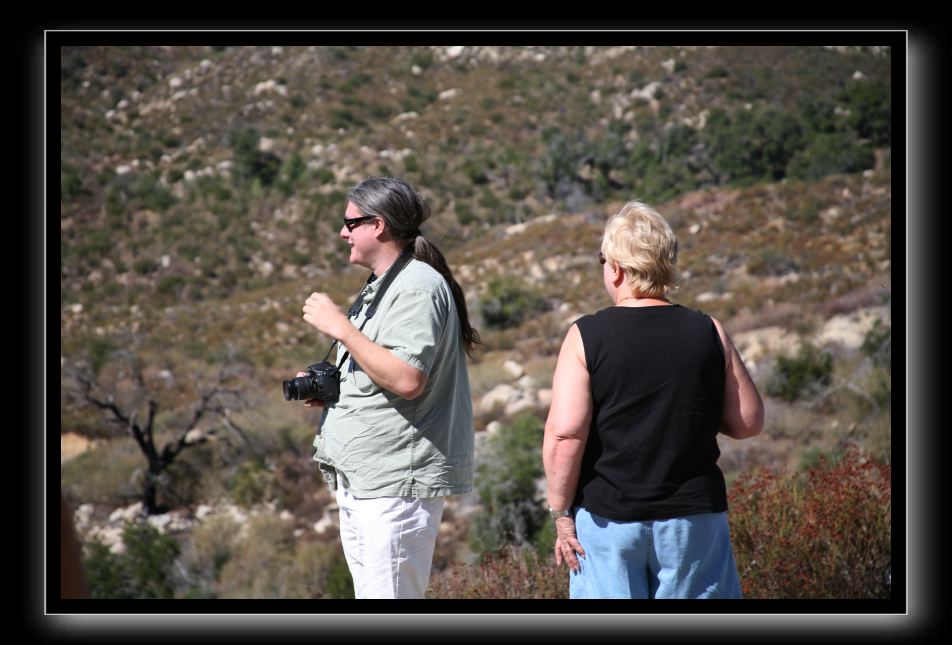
(322,382)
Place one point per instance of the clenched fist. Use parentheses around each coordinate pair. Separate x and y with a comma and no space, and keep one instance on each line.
(321,312)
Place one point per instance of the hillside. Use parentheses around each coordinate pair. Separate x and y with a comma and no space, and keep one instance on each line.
(202,190)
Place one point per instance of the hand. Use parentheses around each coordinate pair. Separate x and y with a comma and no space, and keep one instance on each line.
(325,316)
(311,403)
(567,544)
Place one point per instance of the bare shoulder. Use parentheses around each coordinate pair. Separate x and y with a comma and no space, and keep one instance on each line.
(572,345)
(725,339)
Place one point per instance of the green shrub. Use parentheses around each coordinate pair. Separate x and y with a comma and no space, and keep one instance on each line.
(338,583)
(422,59)
(250,162)
(143,570)
(752,145)
(508,302)
(870,110)
(829,154)
(210,547)
(506,483)
(250,485)
(824,533)
(803,375)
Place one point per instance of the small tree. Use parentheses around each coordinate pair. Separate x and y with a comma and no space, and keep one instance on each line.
(214,400)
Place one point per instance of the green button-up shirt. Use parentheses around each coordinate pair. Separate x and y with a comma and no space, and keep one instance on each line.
(385,445)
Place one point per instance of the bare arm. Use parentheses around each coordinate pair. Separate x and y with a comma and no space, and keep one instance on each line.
(743,415)
(566,432)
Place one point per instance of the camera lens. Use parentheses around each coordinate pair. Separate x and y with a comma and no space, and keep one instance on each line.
(290,390)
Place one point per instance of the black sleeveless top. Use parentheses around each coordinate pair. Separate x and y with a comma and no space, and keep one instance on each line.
(657,376)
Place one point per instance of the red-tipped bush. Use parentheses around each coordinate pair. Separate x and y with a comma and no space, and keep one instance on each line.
(824,533)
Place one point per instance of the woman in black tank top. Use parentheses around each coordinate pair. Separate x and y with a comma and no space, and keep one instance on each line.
(640,392)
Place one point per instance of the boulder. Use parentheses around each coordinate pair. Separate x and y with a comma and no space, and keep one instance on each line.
(501,395)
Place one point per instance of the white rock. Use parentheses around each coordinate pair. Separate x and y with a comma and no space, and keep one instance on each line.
(76,308)
(265,144)
(708,296)
(513,369)
(111,536)
(454,52)
(493,427)
(527,382)
(502,394)
(849,330)
(160,522)
(446,95)
(82,517)
(415,70)
(524,402)
(127,513)
(175,82)
(123,169)
(756,344)
(694,229)
(328,520)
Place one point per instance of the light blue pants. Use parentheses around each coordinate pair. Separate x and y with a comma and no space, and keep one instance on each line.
(685,557)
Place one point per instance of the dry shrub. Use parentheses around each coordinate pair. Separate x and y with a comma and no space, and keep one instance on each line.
(820,534)
(509,573)
(269,562)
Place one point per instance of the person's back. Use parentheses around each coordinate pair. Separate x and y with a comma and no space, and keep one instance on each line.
(657,378)
(639,394)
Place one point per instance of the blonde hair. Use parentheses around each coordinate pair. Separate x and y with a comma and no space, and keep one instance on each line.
(641,242)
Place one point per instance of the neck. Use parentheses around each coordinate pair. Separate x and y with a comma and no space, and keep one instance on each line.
(637,301)
(385,260)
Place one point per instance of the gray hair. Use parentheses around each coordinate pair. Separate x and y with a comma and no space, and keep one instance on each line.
(393,200)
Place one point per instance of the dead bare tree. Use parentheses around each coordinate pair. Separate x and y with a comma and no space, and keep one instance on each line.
(213,400)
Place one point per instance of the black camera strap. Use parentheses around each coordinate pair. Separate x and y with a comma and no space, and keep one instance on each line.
(388,278)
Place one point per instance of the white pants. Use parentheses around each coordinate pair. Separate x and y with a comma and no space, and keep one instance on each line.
(389,542)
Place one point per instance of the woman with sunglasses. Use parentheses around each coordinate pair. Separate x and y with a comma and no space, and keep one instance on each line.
(400,437)
(640,391)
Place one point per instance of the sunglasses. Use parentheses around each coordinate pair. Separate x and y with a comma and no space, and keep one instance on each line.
(353,223)
(601,258)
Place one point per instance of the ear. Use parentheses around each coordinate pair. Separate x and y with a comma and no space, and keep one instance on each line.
(618,274)
(380,226)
